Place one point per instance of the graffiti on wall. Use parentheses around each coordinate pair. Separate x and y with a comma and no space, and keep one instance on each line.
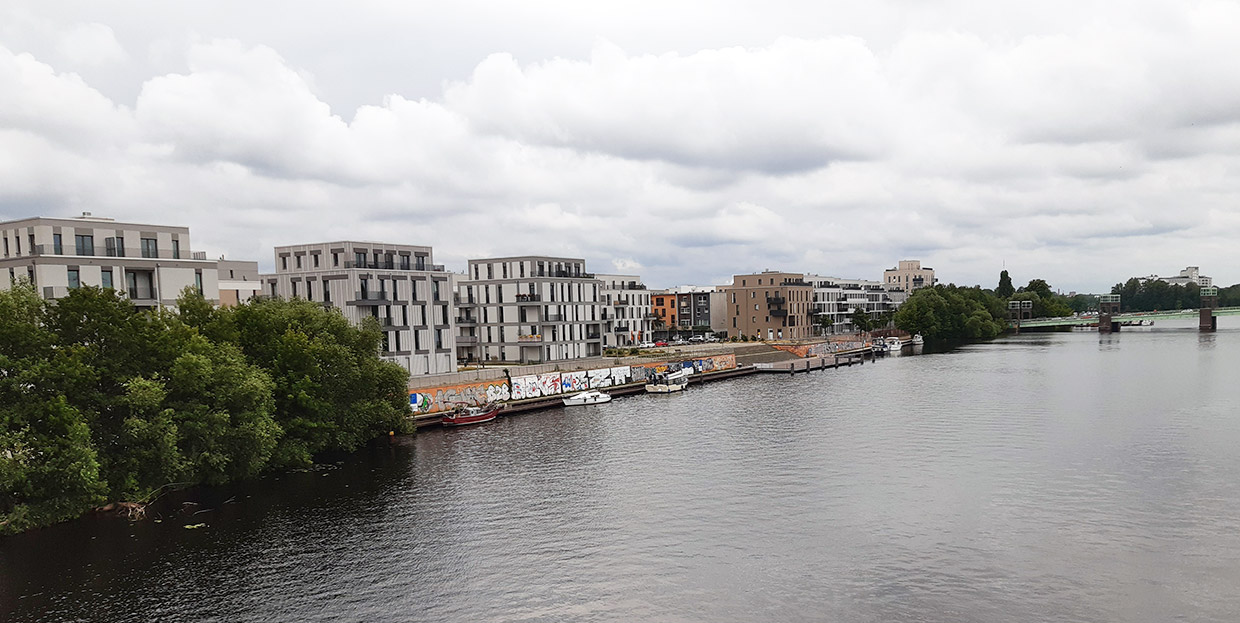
(819,349)
(440,399)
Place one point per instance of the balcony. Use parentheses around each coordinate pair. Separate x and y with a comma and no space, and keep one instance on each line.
(650,316)
(621,328)
(779,312)
(776,300)
(466,320)
(393,265)
(620,302)
(373,296)
(466,339)
(536,337)
(555,318)
(562,273)
(529,298)
(593,336)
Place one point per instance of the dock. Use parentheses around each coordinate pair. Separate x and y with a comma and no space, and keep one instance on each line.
(809,364)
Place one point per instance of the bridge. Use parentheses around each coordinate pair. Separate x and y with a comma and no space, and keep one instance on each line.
(1091,320)
(1109,317)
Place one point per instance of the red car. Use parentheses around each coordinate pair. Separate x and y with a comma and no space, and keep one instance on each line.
(660,343)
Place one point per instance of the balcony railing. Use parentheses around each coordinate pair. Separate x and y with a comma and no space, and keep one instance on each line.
(393,265)
(555,318)
(593,336)
(373,296)
(529,298)
(563,273)
(776,300)
(466,339)
(466,320)
(779,312)
(537,337)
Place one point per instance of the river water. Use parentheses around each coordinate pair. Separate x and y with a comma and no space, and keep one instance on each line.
(1039,477)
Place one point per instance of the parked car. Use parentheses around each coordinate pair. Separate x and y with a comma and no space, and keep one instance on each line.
(646,345)
(697,339)
(660,343)
(711,338)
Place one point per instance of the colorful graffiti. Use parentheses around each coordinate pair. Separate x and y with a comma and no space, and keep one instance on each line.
(439,399)
(818,349)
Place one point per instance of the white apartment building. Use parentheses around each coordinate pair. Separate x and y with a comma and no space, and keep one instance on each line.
(627,316)
(1191,274)
(239,281)
(530,309)
(396,284)
(151,264)
(836,299)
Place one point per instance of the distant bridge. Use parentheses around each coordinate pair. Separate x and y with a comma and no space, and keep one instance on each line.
(1092,320)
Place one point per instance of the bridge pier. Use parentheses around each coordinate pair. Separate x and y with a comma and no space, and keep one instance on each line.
(1108,304)
(1206,320)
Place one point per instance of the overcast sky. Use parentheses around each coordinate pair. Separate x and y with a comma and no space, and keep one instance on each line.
(1078,141)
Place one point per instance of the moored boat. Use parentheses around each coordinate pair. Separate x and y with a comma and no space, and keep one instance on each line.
(469,414)
(590,397)
(894,344)
(666,383)
(917,339)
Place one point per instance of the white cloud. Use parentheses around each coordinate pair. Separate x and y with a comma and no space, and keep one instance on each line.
(1073,143)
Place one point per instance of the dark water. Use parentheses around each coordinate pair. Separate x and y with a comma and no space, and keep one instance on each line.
(1043,477)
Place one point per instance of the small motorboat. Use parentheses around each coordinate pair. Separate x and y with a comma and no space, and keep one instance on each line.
(894,345)
(590,397)
(917,339)
(469,414)
(667,382)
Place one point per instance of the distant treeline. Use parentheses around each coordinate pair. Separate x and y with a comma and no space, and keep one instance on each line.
(1159,295)
(953,312)
(100,402)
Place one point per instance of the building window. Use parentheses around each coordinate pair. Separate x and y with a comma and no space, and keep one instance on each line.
(335,260)
(284,263)
(85,245)
(316,260)
(74,281)
(435,291)
(294,289)
(297,260)
(176,250)
(359,259)
(105,278)
(150,247)
(56,246)
(438,338)
(404,262)
(273,290)
(327,292)
(197,278)
(6,246)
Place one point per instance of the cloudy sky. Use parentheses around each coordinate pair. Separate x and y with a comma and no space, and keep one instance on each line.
(1078,141)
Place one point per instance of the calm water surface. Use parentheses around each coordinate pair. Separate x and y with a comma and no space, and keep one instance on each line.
(1042,477)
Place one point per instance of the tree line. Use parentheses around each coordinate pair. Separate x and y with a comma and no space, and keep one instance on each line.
(101,402)
(1154,295)
(955,312)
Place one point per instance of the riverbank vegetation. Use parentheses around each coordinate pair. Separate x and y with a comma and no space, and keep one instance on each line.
(101,403)
(1154,294)
(954,312)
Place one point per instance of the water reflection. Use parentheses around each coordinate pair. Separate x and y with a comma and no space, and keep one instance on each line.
(1048,477)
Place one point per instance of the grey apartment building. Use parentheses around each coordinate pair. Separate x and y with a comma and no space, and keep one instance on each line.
(529,309)
(396,284)
(151,264)
(626,310)
(836,299)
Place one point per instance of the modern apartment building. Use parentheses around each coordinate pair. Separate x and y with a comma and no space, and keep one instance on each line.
(396,284)
(771,305)
(693,306)
(836,299)
(151,264)
(908,275)
(627,316)
(530,309)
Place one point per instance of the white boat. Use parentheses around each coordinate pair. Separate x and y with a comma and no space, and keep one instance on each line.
(590,397)
(666,383)
(917,339)
(894,344)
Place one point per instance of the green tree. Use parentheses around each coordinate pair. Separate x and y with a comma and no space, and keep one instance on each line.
(49,470)
(861,319)
(1005,289)
(331,389)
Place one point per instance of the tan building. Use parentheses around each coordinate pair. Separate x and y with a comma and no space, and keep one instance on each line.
(908,275)
(771,305)
(239,282)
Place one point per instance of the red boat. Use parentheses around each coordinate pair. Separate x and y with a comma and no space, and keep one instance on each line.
(467,414)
